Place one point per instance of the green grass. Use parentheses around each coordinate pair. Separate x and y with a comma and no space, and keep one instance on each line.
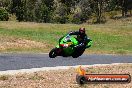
(107,38)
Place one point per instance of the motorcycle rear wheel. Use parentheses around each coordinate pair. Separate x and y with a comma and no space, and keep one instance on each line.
(75,55)
(78,53)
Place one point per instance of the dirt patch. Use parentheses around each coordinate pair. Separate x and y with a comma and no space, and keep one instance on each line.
(11,42)
(64,78)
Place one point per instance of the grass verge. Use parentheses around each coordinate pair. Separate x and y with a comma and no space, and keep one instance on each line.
(112,38)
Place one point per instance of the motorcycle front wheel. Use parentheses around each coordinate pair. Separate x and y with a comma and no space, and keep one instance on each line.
(52,53)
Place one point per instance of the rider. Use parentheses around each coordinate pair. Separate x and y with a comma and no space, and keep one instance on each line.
(81,37)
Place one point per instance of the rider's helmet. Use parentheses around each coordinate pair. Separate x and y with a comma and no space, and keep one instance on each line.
(82,30)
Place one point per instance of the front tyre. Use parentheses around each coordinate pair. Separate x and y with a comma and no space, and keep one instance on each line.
(52,53)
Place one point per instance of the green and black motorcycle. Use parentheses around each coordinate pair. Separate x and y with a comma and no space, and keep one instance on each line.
(66,47)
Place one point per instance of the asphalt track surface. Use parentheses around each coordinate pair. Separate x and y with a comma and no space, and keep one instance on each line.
(28,61)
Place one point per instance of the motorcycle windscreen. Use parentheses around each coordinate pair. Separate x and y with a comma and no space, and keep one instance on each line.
(74,41)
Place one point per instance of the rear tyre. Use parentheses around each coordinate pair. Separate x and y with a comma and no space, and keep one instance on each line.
(78,52)
(52,53)
(75,55)
(81,52)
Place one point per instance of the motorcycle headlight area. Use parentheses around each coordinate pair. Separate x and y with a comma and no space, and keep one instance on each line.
(66,45)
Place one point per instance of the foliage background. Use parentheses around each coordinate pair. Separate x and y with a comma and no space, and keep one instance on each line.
(64,11)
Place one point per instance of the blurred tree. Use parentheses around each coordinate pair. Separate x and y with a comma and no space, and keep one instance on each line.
(3,14)
(124,5)
(42,13)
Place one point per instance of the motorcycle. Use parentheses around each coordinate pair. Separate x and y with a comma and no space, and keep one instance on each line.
(66,47)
